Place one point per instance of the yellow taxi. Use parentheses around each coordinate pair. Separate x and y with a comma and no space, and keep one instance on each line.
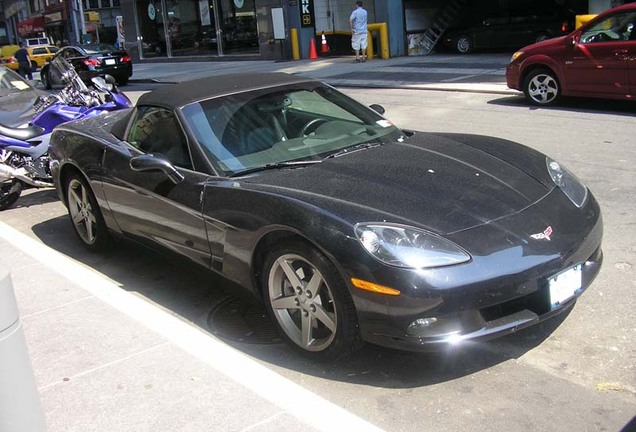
(39,55)
(6,53)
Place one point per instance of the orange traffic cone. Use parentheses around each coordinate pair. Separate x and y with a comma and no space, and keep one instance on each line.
(324,47)
(312,49)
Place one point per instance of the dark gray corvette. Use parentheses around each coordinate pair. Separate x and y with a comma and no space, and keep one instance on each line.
(348,228)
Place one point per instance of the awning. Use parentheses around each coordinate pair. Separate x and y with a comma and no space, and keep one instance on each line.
(33,25)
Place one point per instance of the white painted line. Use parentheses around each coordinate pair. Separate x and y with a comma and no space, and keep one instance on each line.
(306,406)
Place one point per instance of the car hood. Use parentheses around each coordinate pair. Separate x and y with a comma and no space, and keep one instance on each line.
(16,107)
(548,43)
(443,183)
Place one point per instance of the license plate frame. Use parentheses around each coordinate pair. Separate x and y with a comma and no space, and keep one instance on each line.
(565,285)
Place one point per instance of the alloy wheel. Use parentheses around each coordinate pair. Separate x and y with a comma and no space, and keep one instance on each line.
(81,211)
(542,89)
(302,302)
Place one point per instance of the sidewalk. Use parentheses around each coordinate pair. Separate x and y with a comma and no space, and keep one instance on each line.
(108,359)
(474,73)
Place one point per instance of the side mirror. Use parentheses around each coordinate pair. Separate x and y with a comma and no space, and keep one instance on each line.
(110,79)
(101,84)
(377,108)
(156,162)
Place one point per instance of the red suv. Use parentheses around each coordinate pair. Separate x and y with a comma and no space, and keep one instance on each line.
(597,60)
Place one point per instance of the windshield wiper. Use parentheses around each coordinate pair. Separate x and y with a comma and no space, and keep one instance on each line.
(354,148)
(275,165)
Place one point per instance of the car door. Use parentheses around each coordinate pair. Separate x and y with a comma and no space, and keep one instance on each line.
(147,203)
(598,63)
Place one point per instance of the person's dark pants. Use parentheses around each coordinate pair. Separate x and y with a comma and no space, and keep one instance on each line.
(25,71)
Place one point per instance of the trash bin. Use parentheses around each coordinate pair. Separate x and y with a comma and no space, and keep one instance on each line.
(20,408)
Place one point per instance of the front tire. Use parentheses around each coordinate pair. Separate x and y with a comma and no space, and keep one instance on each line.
(310,303)
(541,87)
(86,217)
(10,191)
(44,76)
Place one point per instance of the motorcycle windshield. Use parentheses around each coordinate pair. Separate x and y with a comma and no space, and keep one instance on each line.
(67,72)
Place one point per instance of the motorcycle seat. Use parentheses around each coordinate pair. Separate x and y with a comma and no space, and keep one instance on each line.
(21,133)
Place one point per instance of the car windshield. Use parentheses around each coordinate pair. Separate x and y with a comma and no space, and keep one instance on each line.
(98,48)
(10,82)
(294,124)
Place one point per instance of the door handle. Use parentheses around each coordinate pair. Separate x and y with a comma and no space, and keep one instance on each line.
(621,54)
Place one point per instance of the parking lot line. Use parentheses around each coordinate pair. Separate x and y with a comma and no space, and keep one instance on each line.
(284,393)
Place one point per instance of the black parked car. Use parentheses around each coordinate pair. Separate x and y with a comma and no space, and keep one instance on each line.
(505,32)
(346,227)
(89,61)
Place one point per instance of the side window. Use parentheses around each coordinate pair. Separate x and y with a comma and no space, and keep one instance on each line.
(39,51)
(157,130)
(617,27)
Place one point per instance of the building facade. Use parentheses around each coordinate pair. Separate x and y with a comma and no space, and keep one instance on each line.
(263,29)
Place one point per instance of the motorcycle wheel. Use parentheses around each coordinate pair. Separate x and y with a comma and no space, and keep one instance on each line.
(10,191)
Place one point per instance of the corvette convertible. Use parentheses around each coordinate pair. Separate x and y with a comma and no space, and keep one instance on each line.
(348,228)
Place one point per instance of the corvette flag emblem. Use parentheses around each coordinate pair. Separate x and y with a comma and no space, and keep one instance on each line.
(545,235)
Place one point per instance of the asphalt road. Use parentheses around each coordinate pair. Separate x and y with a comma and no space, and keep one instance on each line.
(576,373)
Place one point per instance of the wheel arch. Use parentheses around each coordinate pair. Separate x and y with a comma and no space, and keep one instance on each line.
(533,64)
(66,171)
(273,237)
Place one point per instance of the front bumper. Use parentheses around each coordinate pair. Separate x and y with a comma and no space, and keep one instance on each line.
(504,288)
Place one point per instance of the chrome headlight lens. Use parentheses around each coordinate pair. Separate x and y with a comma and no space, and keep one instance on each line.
(407,247)
(567,182)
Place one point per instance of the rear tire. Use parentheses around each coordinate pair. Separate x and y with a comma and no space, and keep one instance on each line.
(86,217)
(309,302)
(541,87)
(464,44)
(10,191)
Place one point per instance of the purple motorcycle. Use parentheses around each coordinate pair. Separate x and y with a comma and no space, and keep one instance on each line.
(24,158)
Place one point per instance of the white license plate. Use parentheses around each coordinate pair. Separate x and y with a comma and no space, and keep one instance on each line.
(109,62)
(564,285)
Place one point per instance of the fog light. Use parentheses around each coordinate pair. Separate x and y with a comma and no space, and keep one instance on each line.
(420,325)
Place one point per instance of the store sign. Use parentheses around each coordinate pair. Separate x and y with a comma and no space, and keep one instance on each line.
(33,25)
(53,18)
(307,13)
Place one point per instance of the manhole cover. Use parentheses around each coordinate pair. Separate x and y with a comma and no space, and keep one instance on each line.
(236,319)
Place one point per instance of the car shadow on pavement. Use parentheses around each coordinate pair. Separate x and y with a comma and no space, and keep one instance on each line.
(571,104)
(213,304)
(33,197)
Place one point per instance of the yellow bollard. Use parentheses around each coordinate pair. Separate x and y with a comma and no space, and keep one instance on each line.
(295,46)
(582,19)
(383,29)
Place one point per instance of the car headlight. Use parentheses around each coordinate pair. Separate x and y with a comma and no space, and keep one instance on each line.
(403,246)
(515,56)
(567,182)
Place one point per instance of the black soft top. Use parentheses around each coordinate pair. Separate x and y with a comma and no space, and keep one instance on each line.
(181,94)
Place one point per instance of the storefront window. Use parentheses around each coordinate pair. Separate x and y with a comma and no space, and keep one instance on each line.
(151,28)
(238,25)
(191,26)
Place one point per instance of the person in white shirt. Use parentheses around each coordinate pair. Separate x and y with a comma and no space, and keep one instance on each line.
(358,23)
